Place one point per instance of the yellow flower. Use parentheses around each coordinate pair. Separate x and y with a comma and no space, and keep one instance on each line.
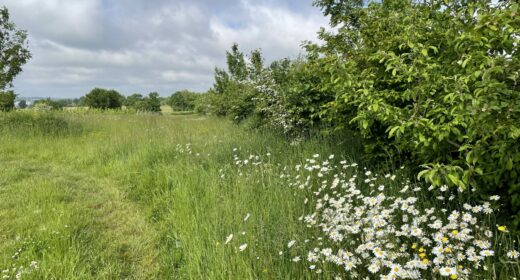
(447,250)
(414,245)
(455,232)
(425,261)
(502,228)
(453,276)
(422,255)
(445,239)
(421,249)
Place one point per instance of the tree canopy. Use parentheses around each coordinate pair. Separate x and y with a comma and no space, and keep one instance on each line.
(14,52)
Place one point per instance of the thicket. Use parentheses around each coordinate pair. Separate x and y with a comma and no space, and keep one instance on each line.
(49,104)
(7,101)
(150,103)
(431,84)
(183,100)
(99,98)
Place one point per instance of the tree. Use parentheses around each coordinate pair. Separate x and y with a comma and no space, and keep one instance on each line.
(7,101)
(22,104)
(133,99)
(236,64)
(104,99)
(13,50)
(257,64)
(153,103)
(183,100)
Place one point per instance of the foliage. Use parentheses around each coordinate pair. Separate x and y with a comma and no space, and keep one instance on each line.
(432,82)
(50,104)
(13,50)
(183,100)
(104,99)
(234,90)
(22,104)
(151,103)
(7,100)
(132,100)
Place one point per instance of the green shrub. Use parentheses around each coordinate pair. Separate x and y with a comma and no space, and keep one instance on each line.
(183,100)
(434,82)
(137,102)
(7,101)
(104,99)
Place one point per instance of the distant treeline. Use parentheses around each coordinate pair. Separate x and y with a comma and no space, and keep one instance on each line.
(104,99)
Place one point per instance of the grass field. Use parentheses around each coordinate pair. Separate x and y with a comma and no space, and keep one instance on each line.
(122,196)
(141,197)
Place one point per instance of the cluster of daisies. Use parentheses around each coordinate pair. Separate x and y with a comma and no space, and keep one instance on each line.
(368,228)
(17,271)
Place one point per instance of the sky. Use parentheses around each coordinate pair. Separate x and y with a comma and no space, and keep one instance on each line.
(150,45)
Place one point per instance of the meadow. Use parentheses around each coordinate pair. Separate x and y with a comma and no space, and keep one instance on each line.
(89,195)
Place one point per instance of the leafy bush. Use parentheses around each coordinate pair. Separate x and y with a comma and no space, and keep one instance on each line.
(183,100)
(48,104)
(104,99)
(7,101)
(434,82)
(149,104)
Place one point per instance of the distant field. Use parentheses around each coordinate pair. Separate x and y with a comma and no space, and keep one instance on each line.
(111,195)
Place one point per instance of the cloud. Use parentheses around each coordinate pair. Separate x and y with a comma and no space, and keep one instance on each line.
(142,46)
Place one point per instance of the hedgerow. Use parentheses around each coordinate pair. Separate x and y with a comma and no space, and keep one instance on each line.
(432,84)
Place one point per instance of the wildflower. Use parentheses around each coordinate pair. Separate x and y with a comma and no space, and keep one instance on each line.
(513,254)
(447,271)
(247,217)
(242,247)
(494,197)
(312,257)
(296,259)
(291,243)
(229,238)
(502,228)
(487,253)
(373,268)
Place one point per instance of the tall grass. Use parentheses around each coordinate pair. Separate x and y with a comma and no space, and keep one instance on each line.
(120,196)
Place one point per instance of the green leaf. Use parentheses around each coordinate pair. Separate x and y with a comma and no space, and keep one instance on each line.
(392,131)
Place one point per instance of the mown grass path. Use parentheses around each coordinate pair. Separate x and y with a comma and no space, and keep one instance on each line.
(77,225)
